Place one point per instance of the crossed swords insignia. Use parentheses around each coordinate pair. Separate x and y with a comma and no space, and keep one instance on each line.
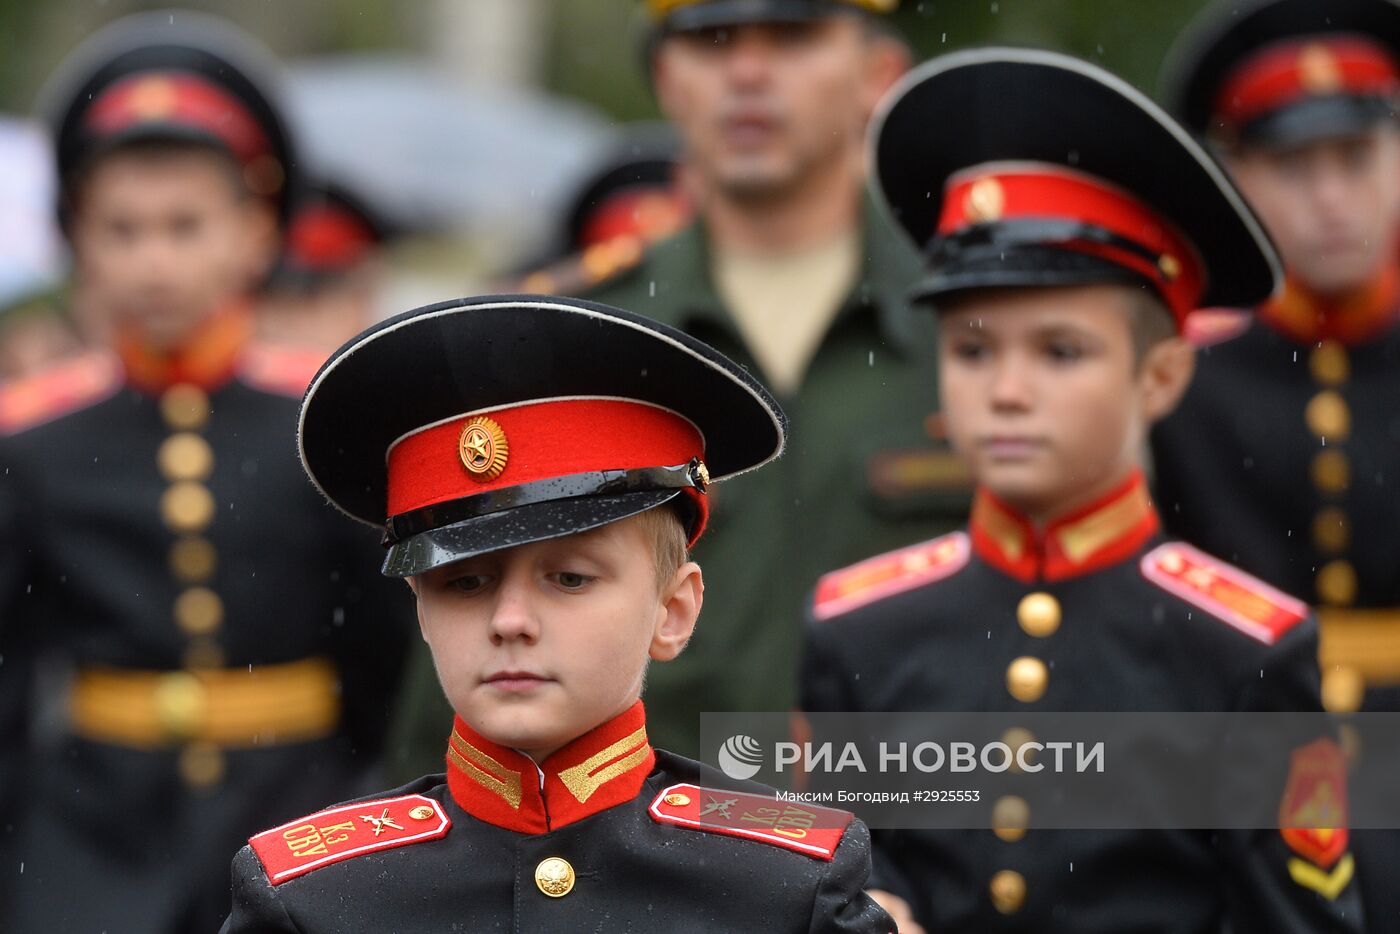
(381,823)
(716,806)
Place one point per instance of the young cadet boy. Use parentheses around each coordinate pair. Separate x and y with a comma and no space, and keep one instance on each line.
(1068,232)
(209,618)
(543,466)
(1290,421)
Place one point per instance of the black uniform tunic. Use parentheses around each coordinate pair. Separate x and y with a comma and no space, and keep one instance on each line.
(571,845)
(161,549)
(947,626)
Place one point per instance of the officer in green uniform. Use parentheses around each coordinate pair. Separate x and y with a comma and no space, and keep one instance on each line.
(791,271)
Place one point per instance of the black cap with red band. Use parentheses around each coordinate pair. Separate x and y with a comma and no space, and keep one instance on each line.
(1023,168)
(176,76)
(1286,72)
(480,424)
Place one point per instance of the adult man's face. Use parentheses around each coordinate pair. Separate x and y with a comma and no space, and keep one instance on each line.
(762,106)
(1332,206)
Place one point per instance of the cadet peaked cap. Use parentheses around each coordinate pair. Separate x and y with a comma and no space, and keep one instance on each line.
(479,424)
(1285,72)
(172,75)
(1059,173)
(332,230)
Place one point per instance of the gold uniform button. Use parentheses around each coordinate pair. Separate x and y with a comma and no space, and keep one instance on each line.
(1331,471)
(554,877)
(1008,891)
(1038,614)
(185,406)
(1329,364)
(1336,583)
(201,764)
(185,456)
(1026,679)
(677,800)
(422,812)
(199,611)
(204,653)
(187,506)
(1327,415)
(1015,738)
(1331,530)
(1343,689)
(1011,815)
(181,701)
(193,559)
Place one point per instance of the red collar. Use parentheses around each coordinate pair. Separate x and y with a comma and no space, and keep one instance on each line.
(1096,536)
(1306,319)
(601,769)
(207,360)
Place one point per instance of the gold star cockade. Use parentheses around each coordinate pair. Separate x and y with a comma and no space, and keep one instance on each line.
(483,449)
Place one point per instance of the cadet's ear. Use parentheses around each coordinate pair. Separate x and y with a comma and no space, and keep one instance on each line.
(887,60)
(1164,374)
(679,608)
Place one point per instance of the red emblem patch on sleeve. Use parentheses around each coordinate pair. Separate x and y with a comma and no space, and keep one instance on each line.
(58,390)
(888,574)
(327,837)
(1313,818)
(805,828)
(283,371)
(1223,590)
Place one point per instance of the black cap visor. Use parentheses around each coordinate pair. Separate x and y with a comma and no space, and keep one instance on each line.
(1019,267)
(720,13)
(1317,118)
(536,522)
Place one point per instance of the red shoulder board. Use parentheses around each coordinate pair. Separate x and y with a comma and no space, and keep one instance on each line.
(803,827)
(888,574)
(281,370)
(327,837)
(58,390)
(1224,591)
(1207,326)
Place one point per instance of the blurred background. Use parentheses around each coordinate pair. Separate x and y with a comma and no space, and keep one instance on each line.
(468,123)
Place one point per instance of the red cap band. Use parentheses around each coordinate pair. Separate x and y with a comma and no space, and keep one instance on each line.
(324,237)
(1288,72)
(538,441)
(182,99)
(1006,192)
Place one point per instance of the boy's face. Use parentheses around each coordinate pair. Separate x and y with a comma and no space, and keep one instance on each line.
(1042,393)
(164,240)
(538,644)
(1332,206)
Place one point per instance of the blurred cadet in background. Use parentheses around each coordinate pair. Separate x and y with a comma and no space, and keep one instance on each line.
(632,197)
(1070,231)
(1289,429)
(1284,455)
(326,284)
(789,270)
(35,329)
(217,649)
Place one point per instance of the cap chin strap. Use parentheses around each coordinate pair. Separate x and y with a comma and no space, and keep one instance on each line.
(690,475)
